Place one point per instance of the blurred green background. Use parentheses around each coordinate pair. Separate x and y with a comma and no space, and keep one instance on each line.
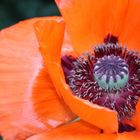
(12,11)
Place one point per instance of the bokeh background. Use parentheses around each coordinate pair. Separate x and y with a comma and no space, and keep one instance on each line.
(12,11)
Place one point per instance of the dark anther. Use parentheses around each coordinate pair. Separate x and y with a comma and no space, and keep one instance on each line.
(110,39)
(108,76)
(126,128)
(67,64)
(101,131)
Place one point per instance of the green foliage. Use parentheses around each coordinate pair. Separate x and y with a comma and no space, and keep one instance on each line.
(12,11)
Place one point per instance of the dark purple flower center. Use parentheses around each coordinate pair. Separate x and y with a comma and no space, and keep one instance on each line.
(110,39)
(108,76)
(111,72)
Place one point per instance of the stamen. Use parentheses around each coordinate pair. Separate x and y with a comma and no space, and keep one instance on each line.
(110,39)
(109,76)
(126,128)
(67,64)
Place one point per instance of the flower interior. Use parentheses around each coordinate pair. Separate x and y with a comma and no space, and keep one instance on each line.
(108,75)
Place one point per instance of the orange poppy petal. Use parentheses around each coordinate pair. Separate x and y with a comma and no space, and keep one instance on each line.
(66,46)
(22,110)
(75,131)
(67,133)
(50,36)
(90,21)
(131,26)
(81,131)
(129,136)
(131,38)
(51,53)
(91,112)
(46,103)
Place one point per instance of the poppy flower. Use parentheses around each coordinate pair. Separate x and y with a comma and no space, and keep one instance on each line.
(86,72)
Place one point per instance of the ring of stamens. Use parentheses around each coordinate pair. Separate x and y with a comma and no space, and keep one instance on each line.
(84,78)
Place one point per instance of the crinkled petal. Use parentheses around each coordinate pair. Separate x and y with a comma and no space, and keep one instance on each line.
(90,21)
(82,131)
(28,101)
(51,52)
(75,131)
(48,107)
